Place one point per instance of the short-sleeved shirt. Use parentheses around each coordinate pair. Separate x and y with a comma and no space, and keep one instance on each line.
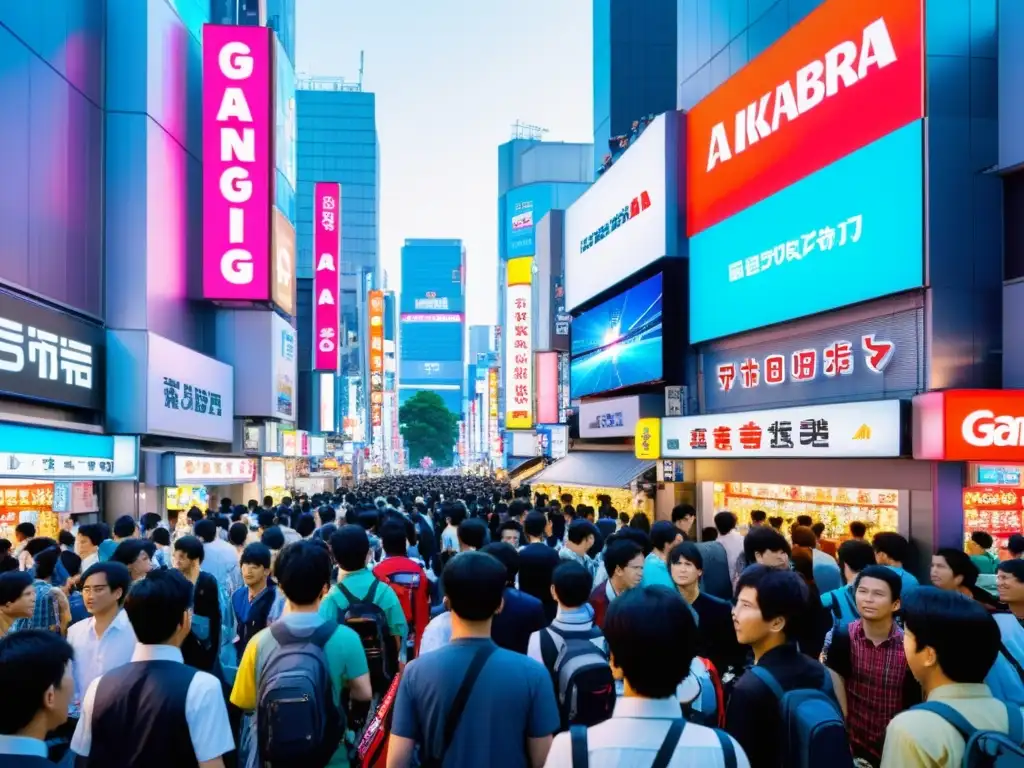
(346,661)
(359,583)
(512,701)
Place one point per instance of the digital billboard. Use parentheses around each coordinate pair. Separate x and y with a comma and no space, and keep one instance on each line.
(850,232)
(375,300)
(524,208)
(618,343)
(285,131)
(326,275)
(519,344)
(846,75)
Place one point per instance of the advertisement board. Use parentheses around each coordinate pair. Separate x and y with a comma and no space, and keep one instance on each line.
(623,221)
(848,233)
(870,359)
(327,275)
(327,421)
(285,363)
(844,430)
(431,317)
(50,454)
(610,418)
(970,425)
(524,208)
(851,72)
(375,301)
(411,371)
(283,264)
(546,386)
(212,470)
(285,123)
(493,435)
(519,344)
(619,342)
(238,127)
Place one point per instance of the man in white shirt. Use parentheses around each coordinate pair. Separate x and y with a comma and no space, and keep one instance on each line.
(731,540)
(220,559)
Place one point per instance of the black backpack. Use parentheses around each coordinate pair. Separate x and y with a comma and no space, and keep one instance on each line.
(584,685)
(298,724)
(369,621)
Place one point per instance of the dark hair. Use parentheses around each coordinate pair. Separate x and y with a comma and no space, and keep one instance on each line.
(803,536)
(858,529)
(638,537)
(238,533)
(819,529)
(12,584)
(776,522)
(92,532)
(640,522)
(663,533)
(128,551)
(46,562)
(40,544)
(506,555)
(535,524)
(856,554)
(1013,567)
(156,605)
(803,564)
(161,536)
(25,529)
(350,546)
(125,527)
(580,529)
(206,530)
(779,594)
(66,539)
(394,538)
(762,539)
(709,533)
(327,514)
(725,522)
(474,583)
(882,573)
(31,662)
(191,546)
(473,532)
(1015,544)
(256,553)
(305,524)
(689,551)
(805,520)
(892,545)
(266,518)
(652,637)
(72,563)
(303,569)
(5,546)
(618,554)
(118,577)
(273,537)
(572,584)
(960,564)
(982,539)
(682,511)
(962,633)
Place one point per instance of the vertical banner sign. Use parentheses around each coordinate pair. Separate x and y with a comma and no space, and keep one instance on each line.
(238,122)
(376,302)
(492,413)
(327,275)
(519,344)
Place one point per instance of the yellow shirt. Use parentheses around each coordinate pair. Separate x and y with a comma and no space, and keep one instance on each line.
(916,739)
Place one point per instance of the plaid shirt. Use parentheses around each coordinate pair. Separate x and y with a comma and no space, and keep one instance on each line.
(875,687)
(47,611)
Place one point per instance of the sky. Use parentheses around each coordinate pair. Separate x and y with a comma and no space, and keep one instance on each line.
(450,78)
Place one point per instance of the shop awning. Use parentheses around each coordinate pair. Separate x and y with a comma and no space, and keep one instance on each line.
(602,469)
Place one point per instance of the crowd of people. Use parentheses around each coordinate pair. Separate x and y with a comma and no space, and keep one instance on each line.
(447,620)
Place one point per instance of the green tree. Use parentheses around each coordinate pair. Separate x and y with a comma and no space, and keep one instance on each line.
(429,428)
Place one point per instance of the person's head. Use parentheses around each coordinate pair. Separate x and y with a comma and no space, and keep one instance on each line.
(947,637)
(66,539)
(160,608)
(764,545)
(266,519)
(105,587)
(273,537)
(472,534)
(351,548)
(125,527)
(17,595)
(511,532)
(1015,546)
(474,585)
(454,514)
(854,556)
(238,534)
(652,640)
(36,678)
(394,539)
(953,569)
(819,530)
(136,555)
(535,525)
(664,536)
(709,533)
(890,548)
(23,532)
(45,563)
(877,591)
(979,543)
(303,570)
(686,564)
(582,534)
(624,563)
(268,502)
(758,517)
(188,555)
(802,561)
(205,530)
(683,517)
(505,554)
(571,584)
(769,603)
(305,524)
(641,522)
(327,514)
(776,522)
(88,539)
(1010,582)
(803,536)
(161,537)
(858,530)
(805,521)
(255,562)
(725,522)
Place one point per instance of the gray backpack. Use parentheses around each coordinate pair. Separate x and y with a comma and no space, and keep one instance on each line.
(985,749)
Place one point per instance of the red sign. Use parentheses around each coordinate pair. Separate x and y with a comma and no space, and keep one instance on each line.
(327,275)
(997,511)
(848,74)
(970,425)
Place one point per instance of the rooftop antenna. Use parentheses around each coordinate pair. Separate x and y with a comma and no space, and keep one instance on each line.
(362,55)
(521,130)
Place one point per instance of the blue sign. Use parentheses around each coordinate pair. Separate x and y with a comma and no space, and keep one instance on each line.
(544,440)
(850,232)
(524,207)
(999,476)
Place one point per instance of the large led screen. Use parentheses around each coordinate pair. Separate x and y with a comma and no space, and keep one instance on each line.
(851,232)
(618,343)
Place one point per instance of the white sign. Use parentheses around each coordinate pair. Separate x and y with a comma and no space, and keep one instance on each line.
(431,303)
(673,401)
(559,441)
(327,397)
(620,224)
(50,465)
(844,430)
(199,470)
(188,394)
(285,368)
(610,418)
(519,358)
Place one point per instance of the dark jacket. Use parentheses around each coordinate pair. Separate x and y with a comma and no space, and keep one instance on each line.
(521,616)
(599,602)
(716,640)
(201,648)
(716,579)
(21,761)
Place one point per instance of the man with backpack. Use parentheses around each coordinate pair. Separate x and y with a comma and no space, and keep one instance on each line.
(652,637)
(951,642)
(293,673)
(366,605)
(574,652)
(783,711)
(408,580)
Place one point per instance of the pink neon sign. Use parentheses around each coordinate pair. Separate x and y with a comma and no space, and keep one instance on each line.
(327,275)
(238,123)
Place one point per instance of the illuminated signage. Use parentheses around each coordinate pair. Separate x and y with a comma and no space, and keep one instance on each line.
(430,303)
(493,436)
(519,345)
(415,317)
(207,469)
(647,439)
(283,264)
(970,425)
(850,71)
(376,302)
(327,275)
(629,211)
(996,511)
(328,422)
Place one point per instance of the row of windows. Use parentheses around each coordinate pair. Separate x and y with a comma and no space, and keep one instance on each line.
(327,105)
(334,161)
(348,205)
(344,136)
(339,148)
(338,171)
(349,222)
(327,130)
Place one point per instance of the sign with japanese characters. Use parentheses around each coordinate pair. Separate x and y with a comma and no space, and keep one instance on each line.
(188,394)
(996,511)
(49,355)
(493,435)
(326,275)
(34,453)
(616,417)
(375,299)
(850,232)
(519,344)
(844,430)
(876,358)
(206,470)
(969,425)
(846,75)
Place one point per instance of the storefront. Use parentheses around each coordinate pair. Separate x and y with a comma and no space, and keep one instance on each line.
(202,480)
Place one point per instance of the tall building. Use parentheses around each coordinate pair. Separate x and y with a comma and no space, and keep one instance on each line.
(432,330)
(634,64)
(337,142)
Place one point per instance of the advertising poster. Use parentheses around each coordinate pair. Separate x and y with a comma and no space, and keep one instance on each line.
(285,369)
(519,345)
(525,207)
(283,265)
(238,127)
(493,436)
(376,309)
(326,275)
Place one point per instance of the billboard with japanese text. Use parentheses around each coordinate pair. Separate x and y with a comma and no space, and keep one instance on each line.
(375,300)
(848,233)
(519,344)
(326,275)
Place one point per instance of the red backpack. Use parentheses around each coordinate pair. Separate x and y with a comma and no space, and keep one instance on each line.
(409,582)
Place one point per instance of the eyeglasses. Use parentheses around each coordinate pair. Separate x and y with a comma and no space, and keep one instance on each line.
(95,588)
